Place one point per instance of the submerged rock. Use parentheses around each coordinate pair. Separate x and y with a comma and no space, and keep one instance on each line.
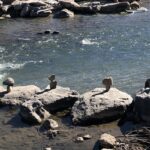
(57,99)
(18,95)
(142,104)
(100,106)
(33,112)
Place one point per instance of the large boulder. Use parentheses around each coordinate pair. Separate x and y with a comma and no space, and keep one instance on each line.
(30,8)
(100,106)
(142,104)
(114,8)
(65,13)
(57,99)
(33,112)
(18,95)
(79,9)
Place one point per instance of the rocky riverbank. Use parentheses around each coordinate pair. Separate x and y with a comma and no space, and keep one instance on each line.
(54,113)
(63,8)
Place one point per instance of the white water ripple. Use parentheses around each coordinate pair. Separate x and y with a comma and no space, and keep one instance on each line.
(88,42)
(14,66)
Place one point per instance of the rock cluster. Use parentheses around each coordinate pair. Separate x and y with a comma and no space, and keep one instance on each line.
(29,8)
(62,8)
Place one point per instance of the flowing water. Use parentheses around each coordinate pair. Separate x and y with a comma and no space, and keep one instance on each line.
(87,49)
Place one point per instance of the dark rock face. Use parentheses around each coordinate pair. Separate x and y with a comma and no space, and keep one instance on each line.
(99,106)
(65,13)
(114,8)
(33,112)
(18,95)
(29,9)
(142,104)
(7,2)
(57,99)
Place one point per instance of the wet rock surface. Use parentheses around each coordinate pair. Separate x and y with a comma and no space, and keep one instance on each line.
(100,106)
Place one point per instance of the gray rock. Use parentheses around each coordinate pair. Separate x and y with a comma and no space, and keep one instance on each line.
(87,137)
(79,139)
(33,112)
(43,13)
(114,8)
(57,99)
(65,13)
(47,148)
(99,106)
(18,95)
(25,11)
(107,141)
(71,5)
(50,124)
(142,104)
(30,8)
(135,5)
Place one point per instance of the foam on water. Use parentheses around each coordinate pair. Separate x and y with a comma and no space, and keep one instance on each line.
(10,66)
(2,49)
(14,66)
(88,42)
(2,76)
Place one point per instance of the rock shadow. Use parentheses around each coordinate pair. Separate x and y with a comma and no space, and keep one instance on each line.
(96,146)
(2,94)
(100,93)
(17,122)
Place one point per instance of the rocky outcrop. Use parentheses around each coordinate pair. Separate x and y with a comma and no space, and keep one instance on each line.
(30,8)
(142,104)
(33,112)
(18,95)
(114,8)
(57,99)
(100,106)
(65,13)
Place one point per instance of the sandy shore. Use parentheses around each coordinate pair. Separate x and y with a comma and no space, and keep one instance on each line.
(17,135)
